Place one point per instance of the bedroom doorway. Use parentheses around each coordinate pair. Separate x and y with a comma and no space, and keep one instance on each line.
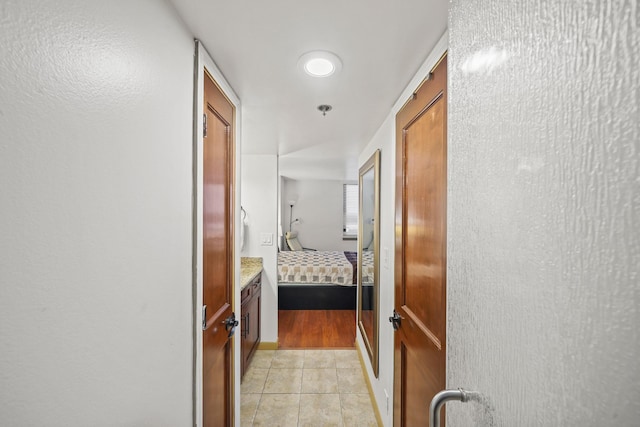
(316,277)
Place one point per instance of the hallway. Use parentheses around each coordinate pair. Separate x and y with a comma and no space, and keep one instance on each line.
(305,388)
(101,156)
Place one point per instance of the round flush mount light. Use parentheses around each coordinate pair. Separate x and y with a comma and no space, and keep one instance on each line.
(320,63)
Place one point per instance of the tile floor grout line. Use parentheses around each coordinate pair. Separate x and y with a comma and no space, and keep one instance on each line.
(255,412)
(299,403)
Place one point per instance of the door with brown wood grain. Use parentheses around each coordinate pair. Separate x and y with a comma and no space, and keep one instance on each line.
(219,323)
(420,250)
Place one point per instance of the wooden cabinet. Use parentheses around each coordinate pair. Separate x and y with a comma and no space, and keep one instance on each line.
(250,332)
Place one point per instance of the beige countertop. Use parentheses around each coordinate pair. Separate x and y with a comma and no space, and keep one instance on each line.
(250,267)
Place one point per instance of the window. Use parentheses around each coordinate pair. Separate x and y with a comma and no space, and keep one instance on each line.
(349,211)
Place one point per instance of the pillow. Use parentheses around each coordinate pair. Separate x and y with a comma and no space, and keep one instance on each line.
(292,241)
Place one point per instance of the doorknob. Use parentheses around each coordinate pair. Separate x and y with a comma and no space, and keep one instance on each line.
(230,324)
(440,399)
(395,320)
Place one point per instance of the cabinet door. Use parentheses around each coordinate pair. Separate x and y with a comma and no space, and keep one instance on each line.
(253,325)
(250,331)
(243,339)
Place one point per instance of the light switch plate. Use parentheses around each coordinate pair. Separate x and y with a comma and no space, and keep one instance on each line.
(266,239)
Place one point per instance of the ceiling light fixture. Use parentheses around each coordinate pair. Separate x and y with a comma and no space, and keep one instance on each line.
(320,63)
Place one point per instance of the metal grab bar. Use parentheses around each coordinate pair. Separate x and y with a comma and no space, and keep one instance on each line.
(440,399)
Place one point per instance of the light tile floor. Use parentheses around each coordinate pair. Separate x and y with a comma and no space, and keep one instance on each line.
(305,388)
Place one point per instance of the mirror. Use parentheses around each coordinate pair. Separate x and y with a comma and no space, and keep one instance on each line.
(368,255)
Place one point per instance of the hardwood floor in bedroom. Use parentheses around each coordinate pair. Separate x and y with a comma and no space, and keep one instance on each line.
(316,329)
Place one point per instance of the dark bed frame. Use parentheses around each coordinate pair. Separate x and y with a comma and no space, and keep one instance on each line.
(321,297)
(325,297)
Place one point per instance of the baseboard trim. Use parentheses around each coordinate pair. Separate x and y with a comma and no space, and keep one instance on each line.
(267,345)
(369,386)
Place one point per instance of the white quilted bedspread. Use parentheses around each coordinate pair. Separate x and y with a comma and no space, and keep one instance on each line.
(315,267)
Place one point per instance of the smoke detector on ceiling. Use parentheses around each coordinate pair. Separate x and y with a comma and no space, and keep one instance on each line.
(324,108)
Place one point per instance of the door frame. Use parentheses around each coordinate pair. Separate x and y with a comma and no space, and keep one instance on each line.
(203,60)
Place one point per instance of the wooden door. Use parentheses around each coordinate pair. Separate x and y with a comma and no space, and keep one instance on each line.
(420,250)
(217,349)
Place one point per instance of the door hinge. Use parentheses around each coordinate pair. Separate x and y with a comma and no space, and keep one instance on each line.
(204,125)
(204,317)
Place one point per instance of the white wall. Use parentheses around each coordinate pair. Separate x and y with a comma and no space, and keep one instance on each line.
(319,206)
(384,139)
(259,188)
(544,244)
(96,172)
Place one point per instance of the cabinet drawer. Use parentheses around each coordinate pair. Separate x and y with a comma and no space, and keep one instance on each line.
(246,293)
(251,288)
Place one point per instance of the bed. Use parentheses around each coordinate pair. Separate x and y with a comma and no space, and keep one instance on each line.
(321,280)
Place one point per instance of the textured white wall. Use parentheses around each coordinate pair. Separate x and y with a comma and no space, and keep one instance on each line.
(319,206)
(544,243)
(95,165)
(259,188)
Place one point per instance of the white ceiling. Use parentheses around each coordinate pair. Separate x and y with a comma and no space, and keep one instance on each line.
(257,44)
